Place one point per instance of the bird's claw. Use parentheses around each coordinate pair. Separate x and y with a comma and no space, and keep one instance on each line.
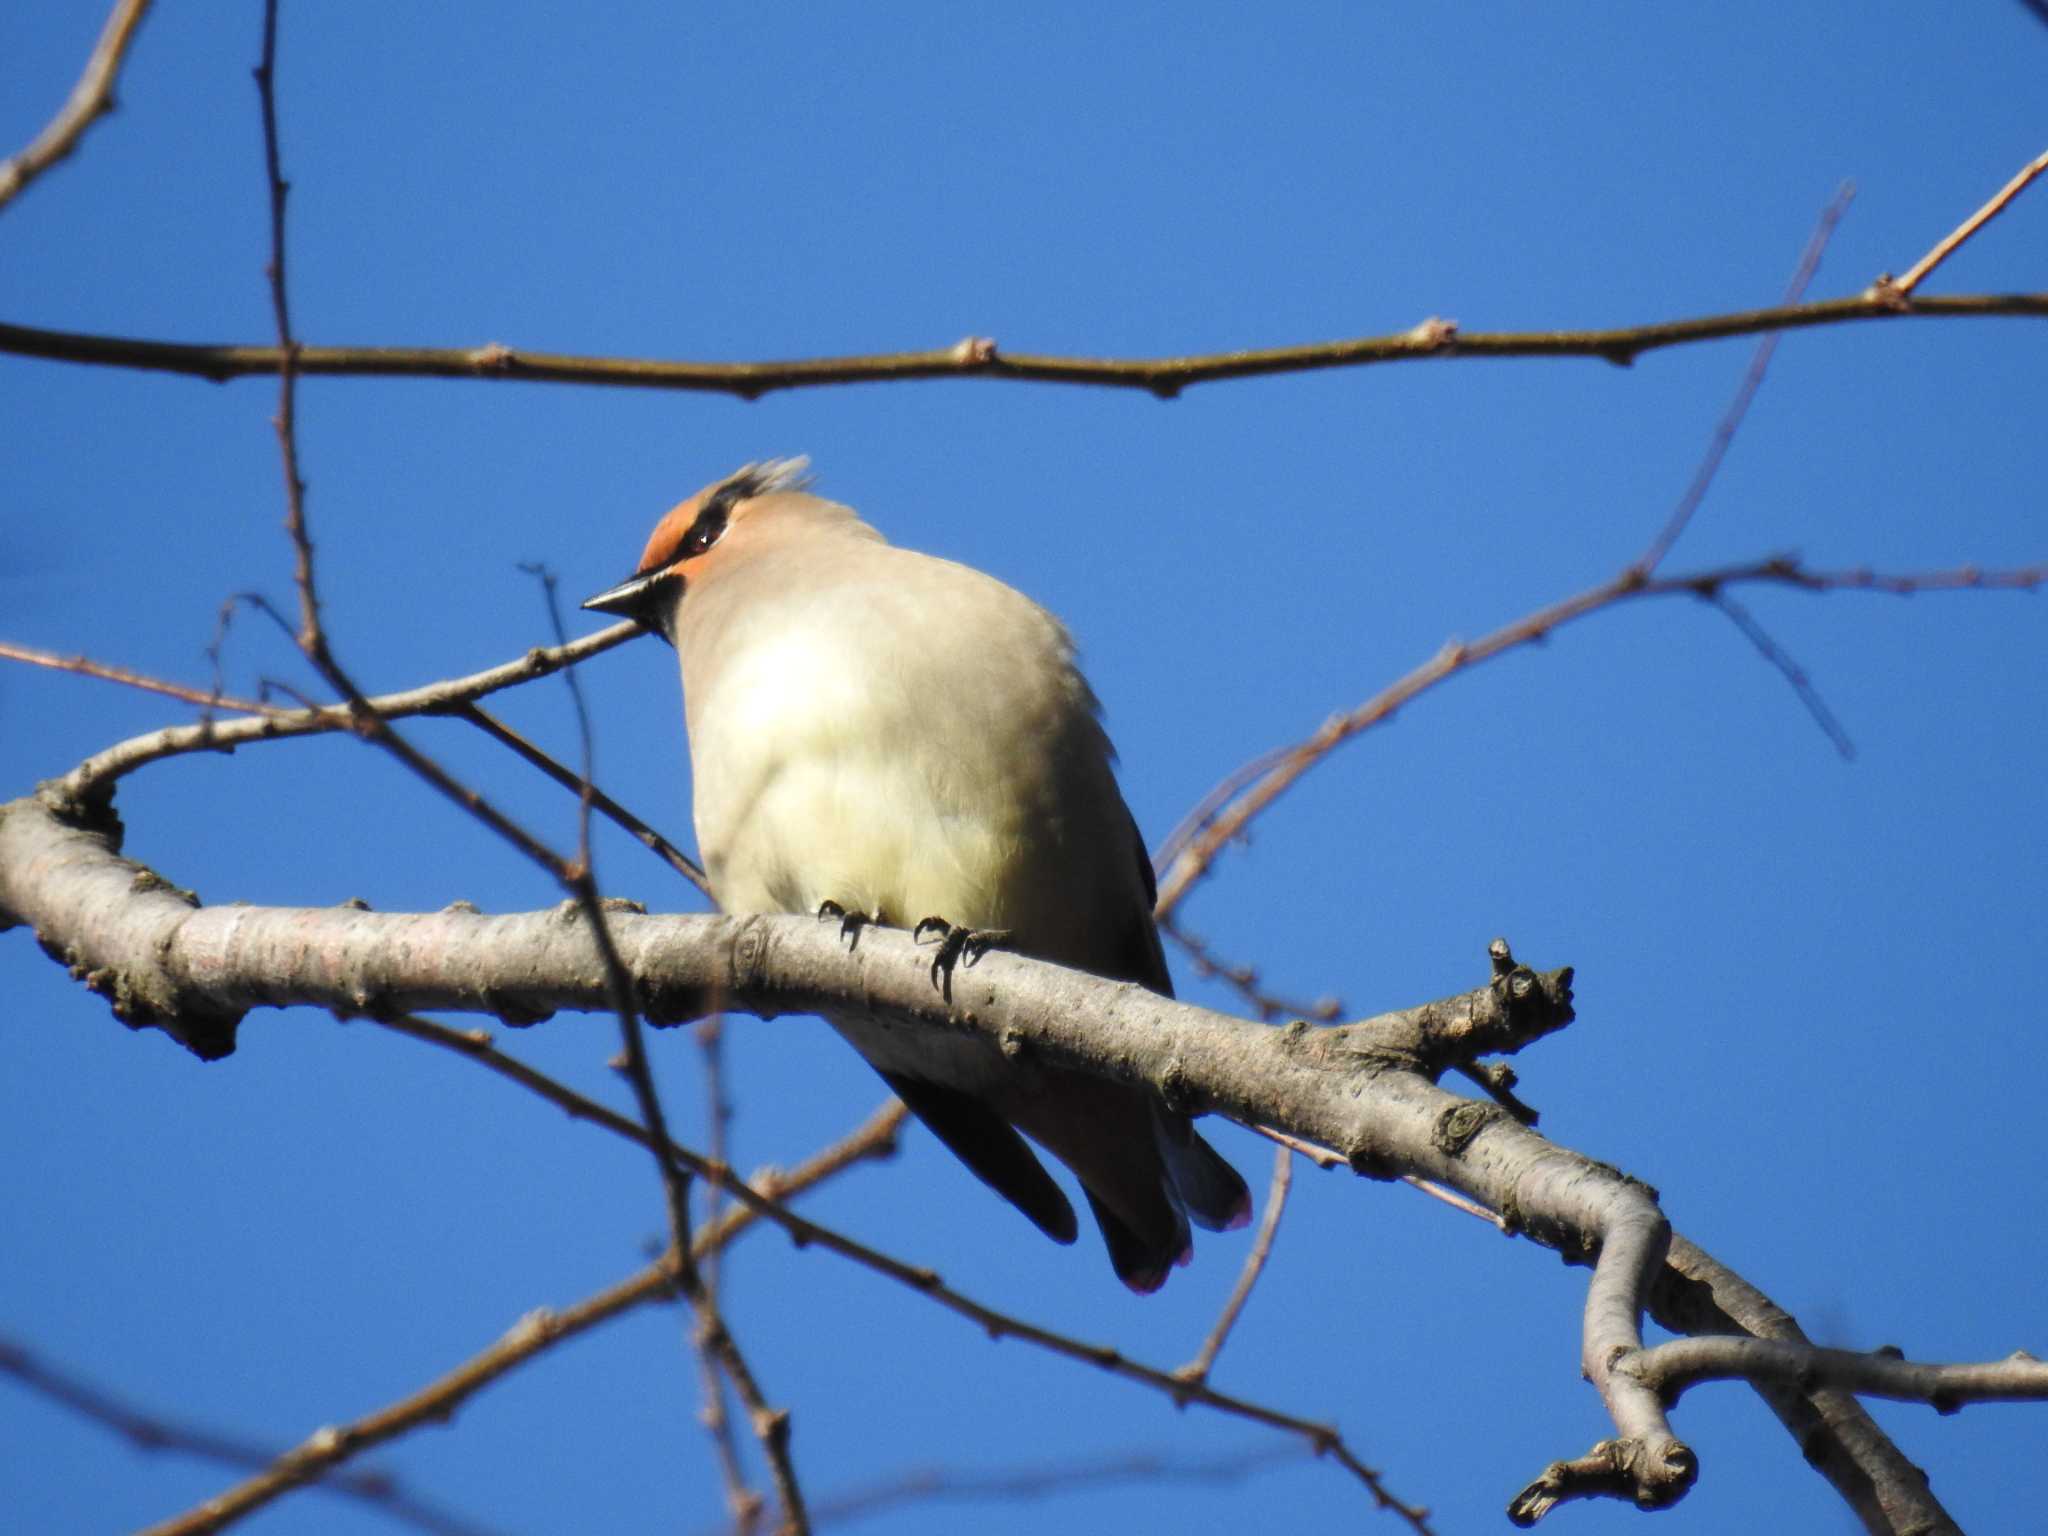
(851,921)
(956,944)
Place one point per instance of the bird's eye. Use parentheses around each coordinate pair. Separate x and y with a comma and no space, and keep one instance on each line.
(705,531)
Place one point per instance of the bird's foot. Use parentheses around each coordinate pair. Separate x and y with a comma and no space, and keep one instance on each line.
(956,944)
(850,921)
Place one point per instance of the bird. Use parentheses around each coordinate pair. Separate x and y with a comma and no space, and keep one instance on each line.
(893,737)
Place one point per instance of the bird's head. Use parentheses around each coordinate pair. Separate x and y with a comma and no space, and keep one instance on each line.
(696,537)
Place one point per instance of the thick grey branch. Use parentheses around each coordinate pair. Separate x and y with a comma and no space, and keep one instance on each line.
(1366,1089)
(1697,1294)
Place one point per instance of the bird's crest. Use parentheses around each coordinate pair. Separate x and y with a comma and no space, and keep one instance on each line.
(759,479)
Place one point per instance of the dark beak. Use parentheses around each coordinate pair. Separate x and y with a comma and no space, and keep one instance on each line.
(633,598)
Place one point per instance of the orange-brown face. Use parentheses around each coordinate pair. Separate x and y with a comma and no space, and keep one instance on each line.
(680,544)
(687,530)
(684,543)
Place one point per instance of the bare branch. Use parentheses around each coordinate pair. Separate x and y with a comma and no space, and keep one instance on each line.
(1244,980)
(85,666)
(718,1352)
(151,1432)
(1198,1368)
(1782,662)
(1162,376)
(601,802)
(1215,831)
(1361,1088)
(533,1335)
(711,1337)
(92,97)
(476,1046)
(1697,1294)
(95,777)
(1669,1369)
(1887,287)
(1021,1484)
(1745,392)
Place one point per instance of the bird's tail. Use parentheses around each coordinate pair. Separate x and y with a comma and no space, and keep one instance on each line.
(1213,1192)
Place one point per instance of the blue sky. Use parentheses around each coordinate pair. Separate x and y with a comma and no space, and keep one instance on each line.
(1806,1005)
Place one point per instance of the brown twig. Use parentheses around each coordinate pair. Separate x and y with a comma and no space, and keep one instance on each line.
(603,803)
(1326,1159)
(97,773)
(311,638)
(741,1501)
(1781,660)
(1244,981)
(476,1046)
(85,666)
(1745,392)
(531,1336)
(271,722)
(718,1352)
(1198,1368)
(150,1432)
(1901,288)
(1210,837)
(1021,1484)
(90,99)
(1323,1157)
(1163,376)
(710,1336)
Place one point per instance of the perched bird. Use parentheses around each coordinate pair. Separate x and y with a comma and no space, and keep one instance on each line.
(899,737)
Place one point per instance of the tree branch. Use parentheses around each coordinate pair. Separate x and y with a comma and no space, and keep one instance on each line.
(90,99)
(533,1335)
(1365,1089)
(1902,287)
(979,358)
(1226,811)
(152,1432)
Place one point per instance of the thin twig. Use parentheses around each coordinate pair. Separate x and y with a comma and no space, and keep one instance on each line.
(98,772)
(1022,1484)
(1323,1157)
(1326,1159)
(1219,795)
(1794,674)
(150,1432)
(533,1335)
(1198,1368)
(91,98)
(1209,839)
(1244,981)
(477,1047)
(1455,1201)
(310,636)
(1162,376)
(710,1334)
(85,666)
(271,722)
(1745,392)
(1902,288)
(601,802)
(1496,1079)
(717,1350)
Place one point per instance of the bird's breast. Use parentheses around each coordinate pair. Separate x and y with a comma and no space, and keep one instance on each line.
(860,777)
